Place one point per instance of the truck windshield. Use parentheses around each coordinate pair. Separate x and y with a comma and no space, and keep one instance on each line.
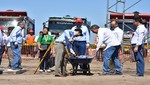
(59,26)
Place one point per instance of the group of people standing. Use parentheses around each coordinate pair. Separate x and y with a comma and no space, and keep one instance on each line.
(113,39)
(12,43)
(76,40)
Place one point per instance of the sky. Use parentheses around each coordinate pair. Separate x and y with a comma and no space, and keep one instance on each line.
(93,10)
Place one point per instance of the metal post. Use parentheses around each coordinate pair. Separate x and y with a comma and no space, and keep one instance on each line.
(107,13)
(122,45)
(132,5)
(148,34)
(117,6)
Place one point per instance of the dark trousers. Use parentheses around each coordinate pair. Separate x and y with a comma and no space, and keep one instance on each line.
(45,64)
(80,49)
(2,48)
(139,60)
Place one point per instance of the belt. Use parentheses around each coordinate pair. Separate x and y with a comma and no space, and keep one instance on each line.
(60,42)
(79,41)
(45,44)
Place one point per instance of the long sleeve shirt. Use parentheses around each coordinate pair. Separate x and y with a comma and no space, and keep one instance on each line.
(118,34)
(36,38)
(85,33)
(16,35)
(2,38)
(64,38)
(8,41)
(139,35)
(106,36)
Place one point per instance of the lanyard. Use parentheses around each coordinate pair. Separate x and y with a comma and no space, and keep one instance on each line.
(46,38)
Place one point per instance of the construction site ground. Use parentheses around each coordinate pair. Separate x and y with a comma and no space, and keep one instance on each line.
(29,78)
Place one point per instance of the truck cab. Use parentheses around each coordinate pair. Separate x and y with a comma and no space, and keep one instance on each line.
(57,25)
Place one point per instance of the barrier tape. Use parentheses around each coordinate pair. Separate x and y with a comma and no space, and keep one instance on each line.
(25,44)
(124,47)
(92,46)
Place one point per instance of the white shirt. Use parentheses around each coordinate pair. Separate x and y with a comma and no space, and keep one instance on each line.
(139,35)
(118,34)
(2,38)
(8,41)
(107,37)
(85,33)
(36,38)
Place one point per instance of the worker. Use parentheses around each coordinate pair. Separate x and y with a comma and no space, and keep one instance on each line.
(81,42)
(8,48)
(105,36)
(137,42)
(60,52)
(30,41)
(16,41)
(2,43)
(119,35)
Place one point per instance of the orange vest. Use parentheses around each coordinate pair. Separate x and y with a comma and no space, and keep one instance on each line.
(30,39)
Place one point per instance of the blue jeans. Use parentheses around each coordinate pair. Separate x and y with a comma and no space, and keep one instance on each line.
(139,60)
(17,55)
(107,56)
(2,48)
(116,60)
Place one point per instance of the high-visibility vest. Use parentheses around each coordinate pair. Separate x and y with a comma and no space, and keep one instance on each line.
(30,39)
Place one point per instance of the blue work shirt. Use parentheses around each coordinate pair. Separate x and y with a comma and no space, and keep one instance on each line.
(64,38)
(85,33)
(16,35)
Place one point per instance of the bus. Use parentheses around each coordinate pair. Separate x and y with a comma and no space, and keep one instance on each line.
(10,18)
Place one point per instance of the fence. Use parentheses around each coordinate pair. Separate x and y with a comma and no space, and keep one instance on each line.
(29,49)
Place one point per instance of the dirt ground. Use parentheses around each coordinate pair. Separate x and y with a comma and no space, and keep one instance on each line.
(28,78)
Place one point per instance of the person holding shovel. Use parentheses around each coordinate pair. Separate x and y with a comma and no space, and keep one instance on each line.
(61,47)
